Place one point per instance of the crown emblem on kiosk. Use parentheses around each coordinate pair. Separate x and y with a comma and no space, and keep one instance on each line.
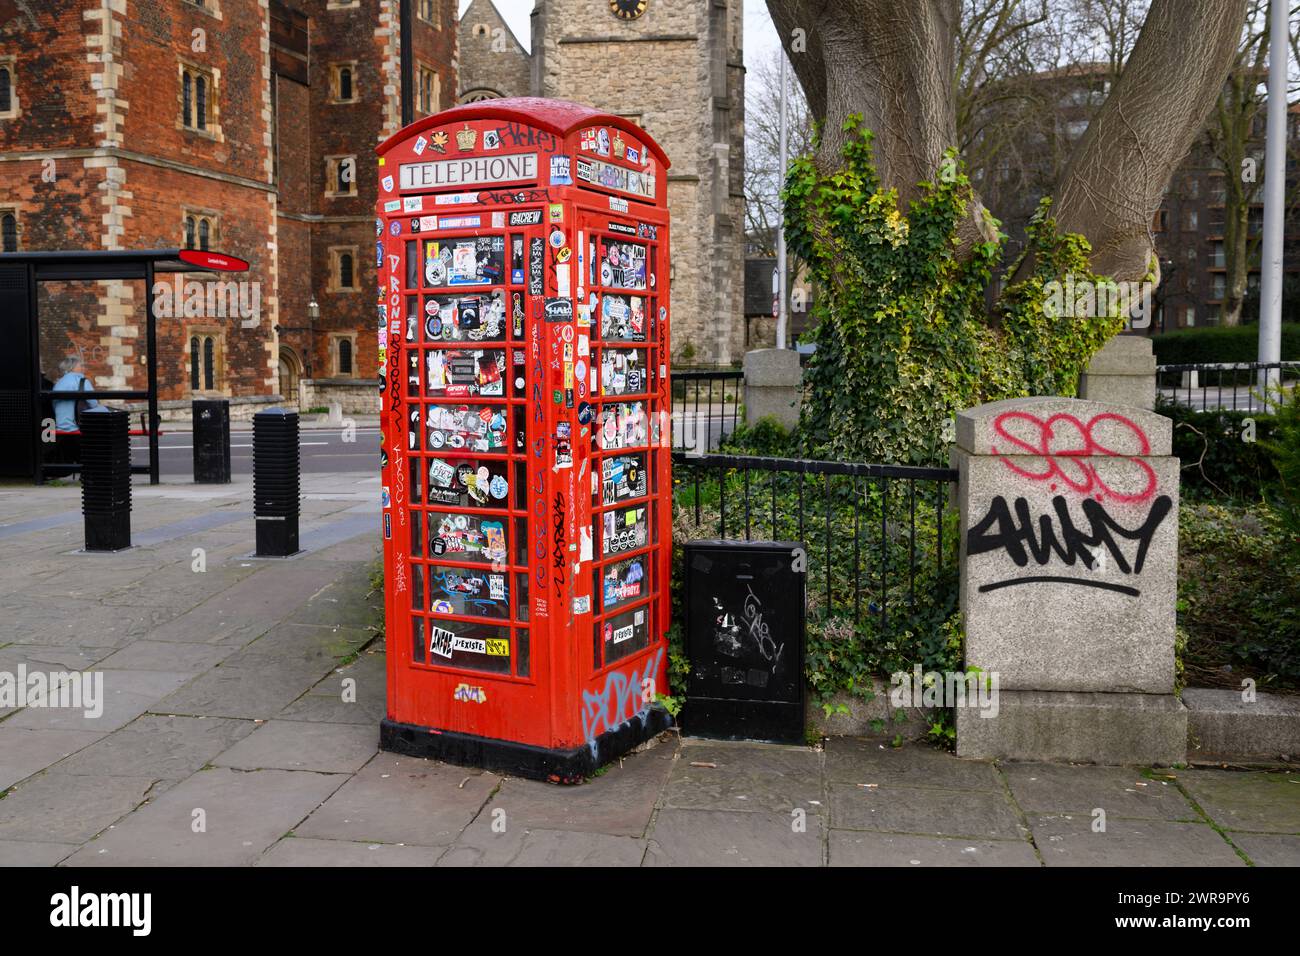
(618,144)
(466,138)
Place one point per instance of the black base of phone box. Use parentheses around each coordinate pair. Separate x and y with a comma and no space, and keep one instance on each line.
(777,722)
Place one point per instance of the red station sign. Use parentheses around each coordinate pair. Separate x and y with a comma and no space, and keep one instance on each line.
(522,247)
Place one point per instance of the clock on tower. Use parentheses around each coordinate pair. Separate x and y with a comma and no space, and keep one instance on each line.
(628,9)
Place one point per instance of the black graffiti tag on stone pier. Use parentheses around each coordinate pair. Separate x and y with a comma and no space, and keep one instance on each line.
(1023,539)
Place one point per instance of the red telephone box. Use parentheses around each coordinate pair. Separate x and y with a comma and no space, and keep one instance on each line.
(524,349)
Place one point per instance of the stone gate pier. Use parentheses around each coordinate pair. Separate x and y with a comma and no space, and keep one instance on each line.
(1069,566)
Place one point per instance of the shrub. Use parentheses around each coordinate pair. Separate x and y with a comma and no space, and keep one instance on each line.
(1217,459)
(1220,343)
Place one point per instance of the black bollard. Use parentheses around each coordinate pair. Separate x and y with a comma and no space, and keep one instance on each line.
(275,482)
(211,441)
(106,478)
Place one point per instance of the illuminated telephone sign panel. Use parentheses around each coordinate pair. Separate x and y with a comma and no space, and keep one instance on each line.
(524,329)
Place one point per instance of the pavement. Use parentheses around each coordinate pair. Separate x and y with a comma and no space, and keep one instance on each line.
(240,727)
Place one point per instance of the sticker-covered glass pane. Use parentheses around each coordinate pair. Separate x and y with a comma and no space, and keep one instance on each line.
(626,633)
(622,317)
(462,373)
(624,582)
(469,261)
(480,317)
(625,529)
(624,372)
(622,264)
(622,478)
(469,483)
(473,592)
(469,645)
(620,425)
(466,537)
(476,428)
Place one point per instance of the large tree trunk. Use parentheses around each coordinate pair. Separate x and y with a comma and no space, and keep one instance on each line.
(893,62)
(1114,184)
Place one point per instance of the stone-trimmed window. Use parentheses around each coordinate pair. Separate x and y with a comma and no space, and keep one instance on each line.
(340,176)
(206,359)
(8,229)
(343,269)
(200,229)
(343,82)
(427,10)
(198,100)
(343,354)
(8,87)
(428,90)
(343,4)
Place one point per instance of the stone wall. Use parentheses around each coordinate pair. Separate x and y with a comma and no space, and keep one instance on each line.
(491,61)
(677,71)
(356,396)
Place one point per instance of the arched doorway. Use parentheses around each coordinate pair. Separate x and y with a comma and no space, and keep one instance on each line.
(290,372)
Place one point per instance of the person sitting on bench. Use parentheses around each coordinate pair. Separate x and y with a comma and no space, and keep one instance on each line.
(67,411)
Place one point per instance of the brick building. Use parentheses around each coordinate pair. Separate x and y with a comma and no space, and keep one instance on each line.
(675,68)
(246,126)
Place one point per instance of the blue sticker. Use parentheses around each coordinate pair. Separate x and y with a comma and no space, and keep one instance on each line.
(517,275)
(395,227)
(388,524)
(498,487)
(379,226)
(585,413)
(379,254)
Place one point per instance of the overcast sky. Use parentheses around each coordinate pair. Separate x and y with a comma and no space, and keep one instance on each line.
(760,37)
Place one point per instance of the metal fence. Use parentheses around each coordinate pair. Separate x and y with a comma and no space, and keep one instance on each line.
(880,539)
(1227,386)
(705,407)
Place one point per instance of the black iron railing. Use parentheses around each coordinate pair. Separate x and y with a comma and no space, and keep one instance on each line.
(1227,386)
(705,407)
(879,539)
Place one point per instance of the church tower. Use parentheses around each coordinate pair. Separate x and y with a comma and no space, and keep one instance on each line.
(675,68)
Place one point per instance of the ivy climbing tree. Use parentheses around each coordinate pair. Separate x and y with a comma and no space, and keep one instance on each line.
(903,331)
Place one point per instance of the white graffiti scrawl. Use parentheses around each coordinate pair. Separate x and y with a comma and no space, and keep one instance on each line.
(623,697)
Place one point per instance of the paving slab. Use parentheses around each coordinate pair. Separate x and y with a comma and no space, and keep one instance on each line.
(27,853)
(859,848)
(62,808)
(297,745)
(1068,840)
(480,845)
(1120,791)
(146,655)
(243,815)
(745,776)
(24,752)
(349,601)
(1248,800)
(1269,849)
(957,813)
(619,802)
(397,799)
(299,851)
(290,644)
(852,760)
(160,746)
(247,609)
(126,695)
(251,693)
(325,701)
(47,657)
(733,838)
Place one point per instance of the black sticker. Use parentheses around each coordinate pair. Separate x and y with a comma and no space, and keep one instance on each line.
(619,227)
(536,263)
(559,310)
(532,217)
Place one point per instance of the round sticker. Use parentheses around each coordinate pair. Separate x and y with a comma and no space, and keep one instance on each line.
(582,388)
(431,307)
(557,238)
(433,327)
(437,439)
(455,441)
(652,280)
(395,227)
(519,382)
(580,370)
(566,333)
(498,487)
(663,313)
(585,413)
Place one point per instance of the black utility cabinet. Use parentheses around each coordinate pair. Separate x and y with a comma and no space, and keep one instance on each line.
(211,441)
(744,606)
